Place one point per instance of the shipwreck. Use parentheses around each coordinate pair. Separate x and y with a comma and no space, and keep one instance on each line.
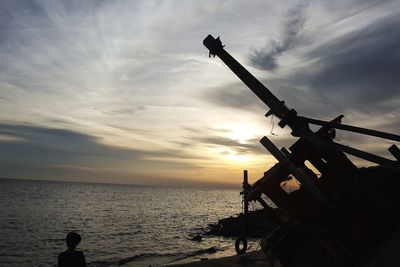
(341,216)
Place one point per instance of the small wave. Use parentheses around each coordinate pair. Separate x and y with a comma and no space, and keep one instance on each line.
(135,257)
(53,240)
(176,256)
(102,263)
(126,260)
(209,250)
(126,233)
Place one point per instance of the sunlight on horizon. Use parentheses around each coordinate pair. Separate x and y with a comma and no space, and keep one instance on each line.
(127,87)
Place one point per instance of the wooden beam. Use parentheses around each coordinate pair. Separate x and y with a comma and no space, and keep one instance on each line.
(354,129)
(393,165)
(395,152)
(306,182)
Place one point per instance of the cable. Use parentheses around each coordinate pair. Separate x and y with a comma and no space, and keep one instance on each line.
(272,126)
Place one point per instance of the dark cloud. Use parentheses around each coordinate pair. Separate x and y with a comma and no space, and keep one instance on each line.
(291,35)
(122,111)
(238,96)
(19,15)
(361,68)
(27,147)
(358,72)
(235,95)
(95,175)
(250,147)
(345,9)
(24,9)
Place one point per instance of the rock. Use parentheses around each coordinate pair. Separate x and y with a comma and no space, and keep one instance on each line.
(197,238)
(260,223)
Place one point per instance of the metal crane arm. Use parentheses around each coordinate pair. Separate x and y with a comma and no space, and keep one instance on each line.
(278,108)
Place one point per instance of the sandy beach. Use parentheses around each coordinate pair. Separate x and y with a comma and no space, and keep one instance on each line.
(254,258)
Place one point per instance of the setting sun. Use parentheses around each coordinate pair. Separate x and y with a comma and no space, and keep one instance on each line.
(242,132)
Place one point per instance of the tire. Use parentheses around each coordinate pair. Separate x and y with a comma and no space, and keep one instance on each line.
(237,245)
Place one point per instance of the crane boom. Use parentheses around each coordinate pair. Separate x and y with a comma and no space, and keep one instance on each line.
(278,107)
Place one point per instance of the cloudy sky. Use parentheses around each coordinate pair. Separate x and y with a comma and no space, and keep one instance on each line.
(124,92)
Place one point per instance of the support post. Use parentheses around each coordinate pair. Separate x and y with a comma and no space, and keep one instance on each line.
(246,187)
(305,181)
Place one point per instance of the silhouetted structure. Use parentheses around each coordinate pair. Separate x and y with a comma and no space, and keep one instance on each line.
(72,257)
(339,217)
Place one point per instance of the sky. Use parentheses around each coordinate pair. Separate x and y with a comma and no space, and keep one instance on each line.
(124,92)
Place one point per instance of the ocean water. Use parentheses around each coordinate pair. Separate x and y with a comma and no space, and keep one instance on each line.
(145,225)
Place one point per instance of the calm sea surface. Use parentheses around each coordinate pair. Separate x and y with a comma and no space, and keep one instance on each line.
(150,225)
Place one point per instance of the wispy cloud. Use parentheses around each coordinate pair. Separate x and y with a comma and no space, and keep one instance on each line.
(291,35)
(124,81)
(354,73)
(361,65)
(46,148)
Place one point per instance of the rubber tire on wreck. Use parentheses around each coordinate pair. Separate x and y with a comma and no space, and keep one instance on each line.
(237,245)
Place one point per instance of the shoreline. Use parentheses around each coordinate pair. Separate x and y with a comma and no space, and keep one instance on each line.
(253,258)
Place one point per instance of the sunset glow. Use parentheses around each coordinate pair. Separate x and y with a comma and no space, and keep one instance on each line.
(124,91)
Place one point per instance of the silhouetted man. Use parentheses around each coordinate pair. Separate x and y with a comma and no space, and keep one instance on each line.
(72,257)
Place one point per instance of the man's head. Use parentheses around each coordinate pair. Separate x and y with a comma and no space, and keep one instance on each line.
(73,239)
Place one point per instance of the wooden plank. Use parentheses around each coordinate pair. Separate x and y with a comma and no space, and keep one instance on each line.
(306,182)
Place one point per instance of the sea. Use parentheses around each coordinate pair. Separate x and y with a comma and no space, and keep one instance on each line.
(119,224)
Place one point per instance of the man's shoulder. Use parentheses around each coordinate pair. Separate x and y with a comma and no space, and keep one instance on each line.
(78,252)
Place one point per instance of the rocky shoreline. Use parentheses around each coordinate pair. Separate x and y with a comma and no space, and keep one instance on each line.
(259,224)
